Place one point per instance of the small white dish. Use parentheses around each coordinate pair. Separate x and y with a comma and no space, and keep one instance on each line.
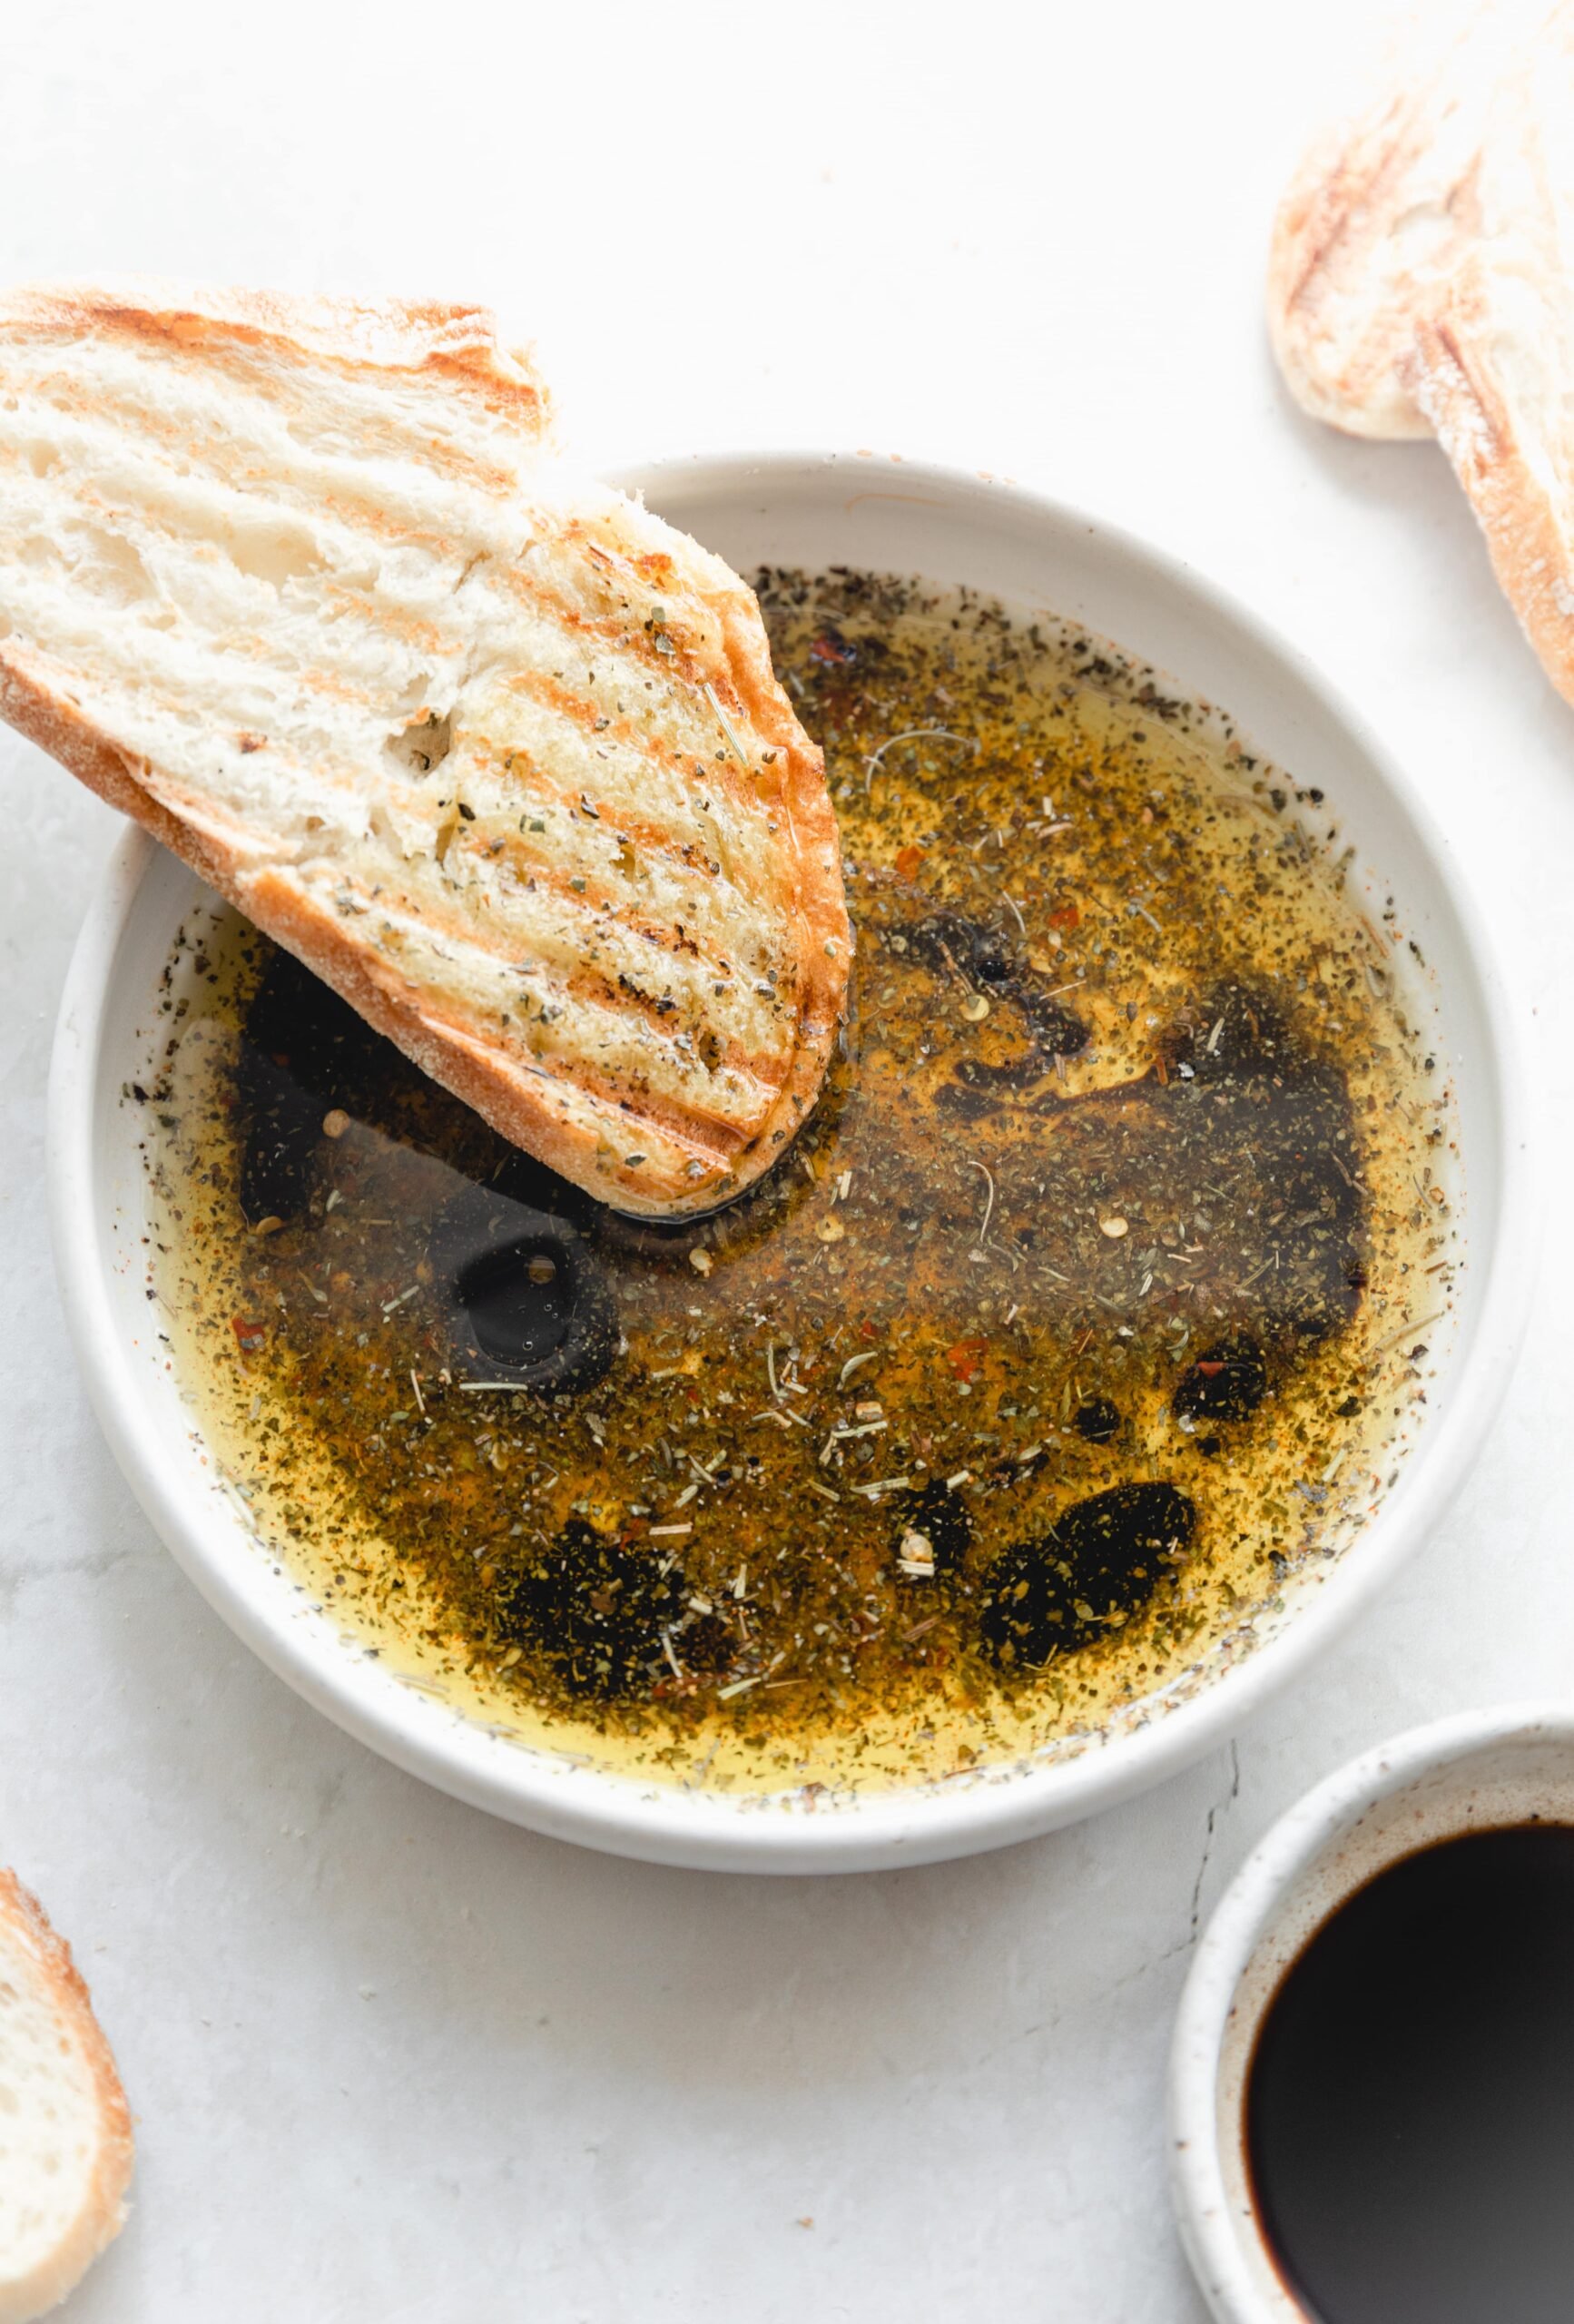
(814,510)
(1471,1773)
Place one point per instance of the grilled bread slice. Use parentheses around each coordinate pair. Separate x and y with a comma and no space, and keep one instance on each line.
(65,2135)
(302,585)
(1419,283)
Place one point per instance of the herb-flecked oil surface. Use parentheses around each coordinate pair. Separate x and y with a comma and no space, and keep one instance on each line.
(1088,1307)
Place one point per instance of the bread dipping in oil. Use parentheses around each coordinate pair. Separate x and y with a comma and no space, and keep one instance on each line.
(1091,1303)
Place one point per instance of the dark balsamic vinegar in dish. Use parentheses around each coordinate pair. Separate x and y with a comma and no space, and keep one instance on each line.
(1090,1310)
(1410,2106)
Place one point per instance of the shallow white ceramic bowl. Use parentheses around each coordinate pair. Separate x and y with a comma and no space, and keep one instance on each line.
(815,511)
(1470,1773)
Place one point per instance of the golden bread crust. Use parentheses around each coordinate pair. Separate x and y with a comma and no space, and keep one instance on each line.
(1458,385)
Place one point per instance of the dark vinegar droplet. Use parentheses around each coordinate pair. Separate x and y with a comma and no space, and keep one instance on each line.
(303,1052)
(1101,1559)
(984,955)
(1228,1382)
(522,1290)
(1057,1031)
(592,1610)
(1098,1420)
(283,1127)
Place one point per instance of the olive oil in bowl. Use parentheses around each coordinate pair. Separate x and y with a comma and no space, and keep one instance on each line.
(1089,1310)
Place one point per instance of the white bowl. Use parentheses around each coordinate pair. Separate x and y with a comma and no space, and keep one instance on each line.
(1470,1773)
(813,510)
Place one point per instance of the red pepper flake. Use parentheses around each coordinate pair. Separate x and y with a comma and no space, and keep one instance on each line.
(1210,1371)
(965,1357)
(1066,916)
(251,1336)
(831,647)
(908,860)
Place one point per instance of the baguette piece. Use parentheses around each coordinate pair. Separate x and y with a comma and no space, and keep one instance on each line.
(1379,212)
(301,585)
(1420,282)
(65,2134)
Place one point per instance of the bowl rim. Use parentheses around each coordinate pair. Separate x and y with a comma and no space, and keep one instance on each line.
(914,1825)
(1217,2236)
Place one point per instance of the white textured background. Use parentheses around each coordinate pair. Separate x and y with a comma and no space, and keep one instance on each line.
(392,2061)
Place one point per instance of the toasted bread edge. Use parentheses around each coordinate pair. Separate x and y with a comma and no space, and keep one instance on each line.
(103,2213)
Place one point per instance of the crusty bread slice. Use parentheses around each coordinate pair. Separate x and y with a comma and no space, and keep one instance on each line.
(302,585)
(1423,280)
(65,2134)
(1375,217)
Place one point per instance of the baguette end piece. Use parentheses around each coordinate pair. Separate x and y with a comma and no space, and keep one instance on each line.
(1376,216)
(1419,283)
(66,2132)
(1342,355)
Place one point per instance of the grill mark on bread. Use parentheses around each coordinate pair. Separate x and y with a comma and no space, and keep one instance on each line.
(563,980)
(648,669)
(1474,446)
(692,1127)
(605,904)
(356,522)
(608,1121)
(654,842)
(595,921)
(358,526)
(253,322)
(354,503)
(621,992)
(489,839)
(732,789)
(723,1087)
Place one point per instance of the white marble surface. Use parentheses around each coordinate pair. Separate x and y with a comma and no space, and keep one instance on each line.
(392,2061)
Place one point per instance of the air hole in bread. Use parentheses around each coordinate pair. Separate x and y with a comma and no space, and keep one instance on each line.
(421,746)
(104,563)
(41,459)
(273,553)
